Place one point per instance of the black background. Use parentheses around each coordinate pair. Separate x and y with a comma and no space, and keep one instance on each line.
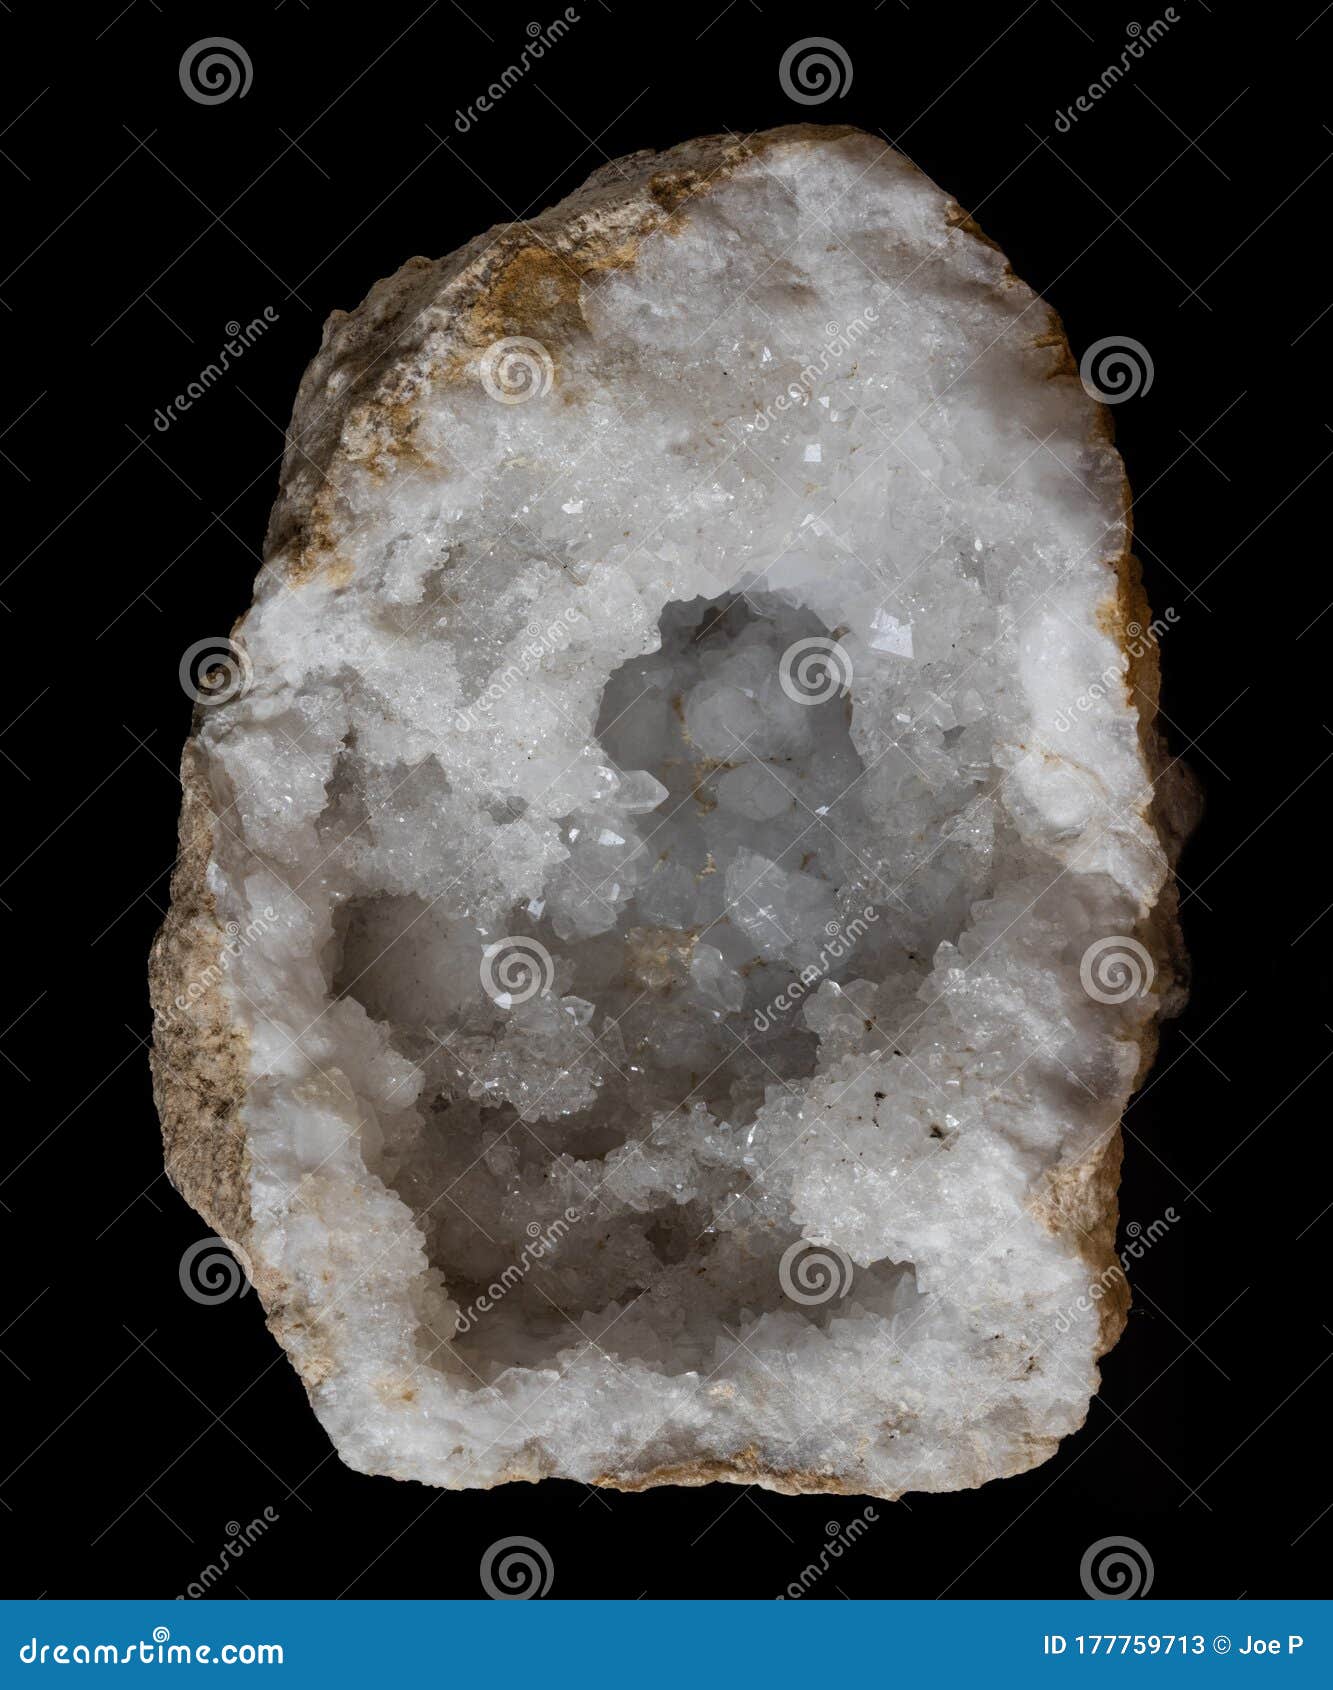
(1186,210)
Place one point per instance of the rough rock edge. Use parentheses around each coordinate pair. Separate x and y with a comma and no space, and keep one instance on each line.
(501,283)
(200,1058)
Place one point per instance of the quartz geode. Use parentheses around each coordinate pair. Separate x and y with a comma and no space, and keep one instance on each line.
(674,889)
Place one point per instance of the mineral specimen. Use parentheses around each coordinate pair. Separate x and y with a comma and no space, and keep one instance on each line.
(675,880)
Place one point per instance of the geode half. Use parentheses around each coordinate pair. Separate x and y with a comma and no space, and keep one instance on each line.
(675,880)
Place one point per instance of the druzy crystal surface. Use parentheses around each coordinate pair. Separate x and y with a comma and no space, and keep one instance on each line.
(687,755)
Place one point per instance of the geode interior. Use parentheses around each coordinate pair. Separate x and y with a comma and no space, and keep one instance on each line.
(687,757)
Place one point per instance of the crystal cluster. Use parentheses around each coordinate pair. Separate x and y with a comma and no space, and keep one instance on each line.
(672,1056)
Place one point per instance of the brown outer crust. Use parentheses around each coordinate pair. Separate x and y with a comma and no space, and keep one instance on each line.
(525,279)
(200,1057)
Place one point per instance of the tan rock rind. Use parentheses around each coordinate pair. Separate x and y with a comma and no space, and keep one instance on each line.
(200,1057)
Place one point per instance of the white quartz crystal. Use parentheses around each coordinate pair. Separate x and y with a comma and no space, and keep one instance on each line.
(680,765)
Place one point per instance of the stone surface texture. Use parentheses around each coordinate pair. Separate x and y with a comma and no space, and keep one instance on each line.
(670,918)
